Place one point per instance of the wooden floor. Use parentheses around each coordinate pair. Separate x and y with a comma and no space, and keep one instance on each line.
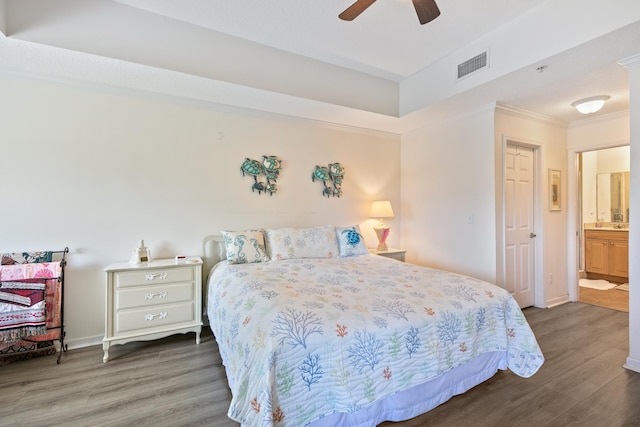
(173,382)
(611,298)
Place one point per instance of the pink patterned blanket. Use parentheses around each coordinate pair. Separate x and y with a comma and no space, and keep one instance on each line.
(29,301)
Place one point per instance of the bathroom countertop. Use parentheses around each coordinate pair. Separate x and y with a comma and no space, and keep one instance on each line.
(606,227)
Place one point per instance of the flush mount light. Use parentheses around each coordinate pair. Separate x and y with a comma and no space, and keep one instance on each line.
(590,105)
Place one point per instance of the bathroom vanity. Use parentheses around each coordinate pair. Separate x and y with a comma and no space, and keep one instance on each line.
(607,253)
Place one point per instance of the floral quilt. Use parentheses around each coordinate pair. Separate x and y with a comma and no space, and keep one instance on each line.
(304,338)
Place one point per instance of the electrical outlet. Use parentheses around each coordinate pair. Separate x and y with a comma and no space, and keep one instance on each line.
(550,278)
(470,219)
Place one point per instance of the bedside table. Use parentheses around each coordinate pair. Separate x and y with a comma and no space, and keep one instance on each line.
(152,300)
(390,253)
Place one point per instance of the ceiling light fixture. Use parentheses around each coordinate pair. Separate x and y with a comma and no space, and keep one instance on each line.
(590,105)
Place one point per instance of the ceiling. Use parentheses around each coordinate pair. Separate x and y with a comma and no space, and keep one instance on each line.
(382,71)
(386,40)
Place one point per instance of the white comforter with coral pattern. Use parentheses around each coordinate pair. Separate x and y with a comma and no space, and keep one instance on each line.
(305,338)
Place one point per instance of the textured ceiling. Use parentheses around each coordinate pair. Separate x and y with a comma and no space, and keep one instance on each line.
(382,71)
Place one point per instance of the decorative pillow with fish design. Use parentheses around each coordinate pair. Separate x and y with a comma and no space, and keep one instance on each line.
(350,241)
(245,246)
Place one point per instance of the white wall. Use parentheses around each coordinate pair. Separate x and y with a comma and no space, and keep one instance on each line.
(448,177)
(633,361)
(614,160)
(452,172)
(601,132)
(97,171)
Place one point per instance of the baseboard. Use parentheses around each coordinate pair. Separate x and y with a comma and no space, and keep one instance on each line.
(554,302)
(83,342)
(632,364)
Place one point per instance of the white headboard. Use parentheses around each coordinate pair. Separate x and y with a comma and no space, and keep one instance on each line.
(213,251)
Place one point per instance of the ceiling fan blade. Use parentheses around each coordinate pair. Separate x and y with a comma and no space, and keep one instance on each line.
(427,10)
(355,9)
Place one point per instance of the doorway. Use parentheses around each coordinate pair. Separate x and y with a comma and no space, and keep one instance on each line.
(602,243)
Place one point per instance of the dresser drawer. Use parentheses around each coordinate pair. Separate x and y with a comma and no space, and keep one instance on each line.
(152,277)
(159,316)
(146,296)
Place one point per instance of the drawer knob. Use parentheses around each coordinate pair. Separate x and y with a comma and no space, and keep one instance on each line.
(162,315)
(153,276)
(162,294)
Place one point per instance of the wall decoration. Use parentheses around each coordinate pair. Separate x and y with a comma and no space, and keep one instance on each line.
(555,190)
(269,168)
(331,176)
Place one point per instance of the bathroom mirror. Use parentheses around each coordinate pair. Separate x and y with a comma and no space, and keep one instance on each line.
(612,196)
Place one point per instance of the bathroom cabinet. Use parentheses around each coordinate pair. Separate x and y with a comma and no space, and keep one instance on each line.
(607,255)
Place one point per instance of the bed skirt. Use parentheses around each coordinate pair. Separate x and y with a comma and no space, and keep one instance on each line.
(421,398)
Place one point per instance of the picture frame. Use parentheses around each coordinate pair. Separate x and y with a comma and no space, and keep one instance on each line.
(555,190)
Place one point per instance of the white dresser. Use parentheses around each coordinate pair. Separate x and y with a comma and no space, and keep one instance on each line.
(152,300)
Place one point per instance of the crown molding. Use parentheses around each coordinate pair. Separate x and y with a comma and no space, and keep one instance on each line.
(631,61)
(525,114)
(600,118)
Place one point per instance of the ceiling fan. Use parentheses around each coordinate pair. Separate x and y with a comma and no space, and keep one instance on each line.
(427,10)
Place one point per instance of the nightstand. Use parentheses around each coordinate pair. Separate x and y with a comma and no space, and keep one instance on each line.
(390,253)
(152,300)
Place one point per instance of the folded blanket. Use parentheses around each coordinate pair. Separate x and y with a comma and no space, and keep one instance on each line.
(25,257)
(22,309)
(15,272)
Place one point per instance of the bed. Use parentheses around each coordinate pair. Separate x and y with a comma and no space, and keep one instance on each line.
(327,337)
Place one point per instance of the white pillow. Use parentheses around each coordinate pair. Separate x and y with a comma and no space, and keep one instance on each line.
(314,242)
(245,246)
(350,241)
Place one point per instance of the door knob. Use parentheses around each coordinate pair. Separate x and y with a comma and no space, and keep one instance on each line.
(532,235)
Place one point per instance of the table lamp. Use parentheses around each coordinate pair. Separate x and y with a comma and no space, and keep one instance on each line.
(381,209)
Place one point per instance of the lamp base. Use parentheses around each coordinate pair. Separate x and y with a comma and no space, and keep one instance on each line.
(382,232)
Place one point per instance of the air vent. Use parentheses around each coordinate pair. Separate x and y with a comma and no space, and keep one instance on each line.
(472,65)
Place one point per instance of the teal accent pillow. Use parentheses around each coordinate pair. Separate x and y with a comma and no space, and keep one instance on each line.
(350,241)
(245,246)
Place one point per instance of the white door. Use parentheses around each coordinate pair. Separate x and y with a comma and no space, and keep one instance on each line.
(519,227)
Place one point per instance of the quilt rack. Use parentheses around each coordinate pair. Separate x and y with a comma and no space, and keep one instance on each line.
(17,272)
